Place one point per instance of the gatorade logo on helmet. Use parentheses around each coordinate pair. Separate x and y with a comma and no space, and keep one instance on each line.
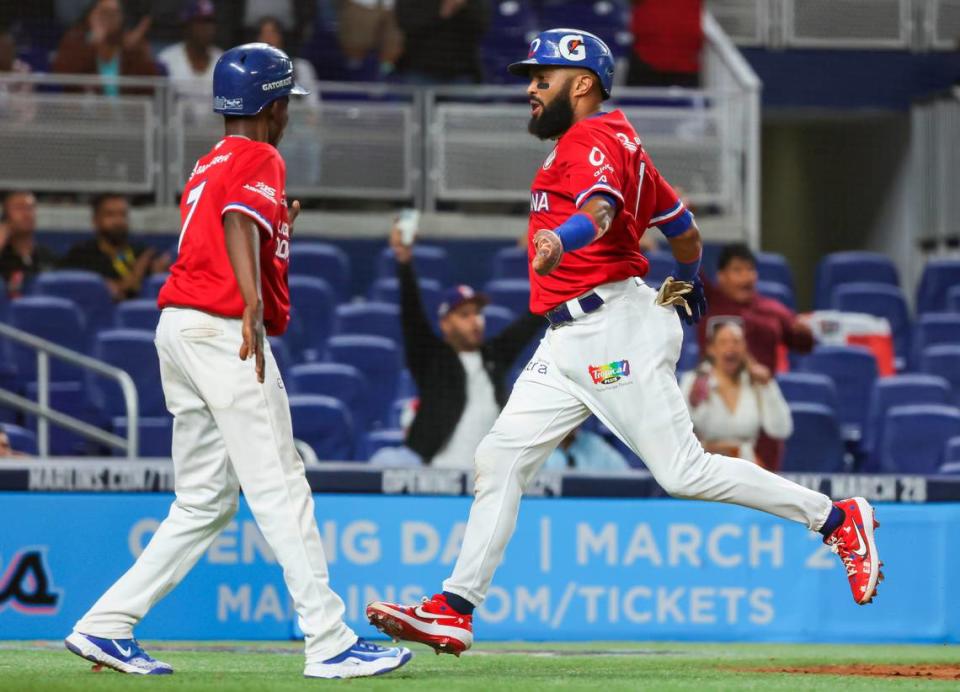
(250,77)
(572,48)
(270,86)
(569,48)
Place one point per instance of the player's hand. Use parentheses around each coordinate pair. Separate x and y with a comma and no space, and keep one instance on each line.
(293,212)
(252,331)
(402,253)
(697,302)
(548,251)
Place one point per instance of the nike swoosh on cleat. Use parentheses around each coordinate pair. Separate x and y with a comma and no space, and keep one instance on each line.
(862,549)
(421,613)
(125,652)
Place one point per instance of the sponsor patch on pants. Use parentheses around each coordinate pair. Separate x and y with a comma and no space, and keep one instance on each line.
(609,373)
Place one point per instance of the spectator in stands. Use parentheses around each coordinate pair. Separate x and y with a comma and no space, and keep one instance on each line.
(732,398)
(6,449)
(442,40)
(99,45)
(668,37)
(190,63)
(583,450)
(367,26)
(122,263)
(9,62)
(21,257)
(461,377)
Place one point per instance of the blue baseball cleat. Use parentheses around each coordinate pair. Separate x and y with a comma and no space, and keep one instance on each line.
(123,655)
(361,660)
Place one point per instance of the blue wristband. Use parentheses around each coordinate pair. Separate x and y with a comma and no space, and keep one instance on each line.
(686,271)
(576,232)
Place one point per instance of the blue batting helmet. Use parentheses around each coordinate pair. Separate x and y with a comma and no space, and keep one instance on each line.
(249,77)
(569,48)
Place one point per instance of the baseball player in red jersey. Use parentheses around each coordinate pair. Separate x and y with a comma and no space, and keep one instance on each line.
(612,348)
(232,426)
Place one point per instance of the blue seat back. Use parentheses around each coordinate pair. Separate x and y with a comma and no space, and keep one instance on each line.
(808,388)
(323,261)
(511,263)
(153,284)
(429,261)
(133,351)
(934,329)
(779,292)
(387,290)
(378,439)
(944,360)
(513,294)
(938,278)
(55,319)
(87,289)
(325,424)
(496,318)
(378,359)
(772,266)
(899,390)
(338,380)
(851,267)
(881,300)
(155,436)
(853,370)
(141,313)
(21,439)
(313,302)
(374,318)
(661,265)
(915,437)
(816,444)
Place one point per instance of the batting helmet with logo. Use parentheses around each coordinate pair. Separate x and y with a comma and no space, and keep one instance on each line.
(249,77)
(569,48)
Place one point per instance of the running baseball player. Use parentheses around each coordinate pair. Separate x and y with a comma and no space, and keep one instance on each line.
(232,425)
(612,348)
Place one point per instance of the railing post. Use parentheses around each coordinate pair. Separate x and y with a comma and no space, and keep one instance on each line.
(43,400)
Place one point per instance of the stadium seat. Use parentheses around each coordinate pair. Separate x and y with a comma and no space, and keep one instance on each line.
(374,441)
(915,437)
(939,276)
(944,360)
(153,284)
(142,313)
(934,329)
(772,266)
(513,294)
(430,262)
(777,291)
(951,451)
(853,370)
(690,348)
(496,320)
(341,381)
(133,351)
(21,440)
(511,263)
(387,290)
(406,387)
(378,359)
(881,300)
(155,436)
(808,388)
(661,264)
(84,288)
(953,299)
(72,398)
(374,318)
(323,261)
(325,424)
(55,319)
(816,444)
(312,300)
(851,267)
(888,392)
(281,354)
(605,18)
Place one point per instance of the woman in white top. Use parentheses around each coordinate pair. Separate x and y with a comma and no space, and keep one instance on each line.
(732,397)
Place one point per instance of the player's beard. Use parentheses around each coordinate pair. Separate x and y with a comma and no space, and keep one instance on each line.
(554,119)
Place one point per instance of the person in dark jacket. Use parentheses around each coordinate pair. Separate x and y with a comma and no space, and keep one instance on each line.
(460,377)
(441,40)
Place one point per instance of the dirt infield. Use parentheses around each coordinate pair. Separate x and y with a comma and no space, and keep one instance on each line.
(931,671)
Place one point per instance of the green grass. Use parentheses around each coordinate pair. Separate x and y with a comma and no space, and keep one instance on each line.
(606,666)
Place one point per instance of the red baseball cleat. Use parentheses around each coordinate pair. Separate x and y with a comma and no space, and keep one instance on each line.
(853,541)
(433,623)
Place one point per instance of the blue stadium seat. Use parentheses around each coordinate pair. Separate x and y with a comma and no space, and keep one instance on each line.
(373,318)
(378,359)
(323,261)
(881,300)
(56,319)
(939,276)
(21,439)
(816,444)
(281,354)
(325,424)
(153,284)
(341,381)
(72,398)
(690,349)
(777,291)
(155,432)
(888,392)
(312,300)
(374,441)
(953,299)
(915,437)
(430,262)
(142,313)
(808,388)
(406,387)
(511,263)
(605,18)
(513,294)
(944,360)
(496,319)
(133,351)
(387,290)
(951,452)
(934,329)
(853,370)
(851,267)
(772,266)
(661,266)
(86,289)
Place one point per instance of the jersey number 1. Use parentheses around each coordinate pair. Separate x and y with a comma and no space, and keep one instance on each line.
(192,198)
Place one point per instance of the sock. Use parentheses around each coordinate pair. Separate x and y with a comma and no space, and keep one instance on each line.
(459,603)
(833,522)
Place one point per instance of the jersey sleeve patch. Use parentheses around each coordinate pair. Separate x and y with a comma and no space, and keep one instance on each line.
(251,213)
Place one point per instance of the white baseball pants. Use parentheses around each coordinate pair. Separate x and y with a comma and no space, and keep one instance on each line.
(619,364)
(229,432)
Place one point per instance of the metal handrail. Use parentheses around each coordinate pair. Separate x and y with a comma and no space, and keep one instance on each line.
(41,408)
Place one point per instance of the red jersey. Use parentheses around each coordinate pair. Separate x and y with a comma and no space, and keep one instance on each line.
(599,155)
(243,176)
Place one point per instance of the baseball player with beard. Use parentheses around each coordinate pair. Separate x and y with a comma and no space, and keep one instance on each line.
(612,348)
